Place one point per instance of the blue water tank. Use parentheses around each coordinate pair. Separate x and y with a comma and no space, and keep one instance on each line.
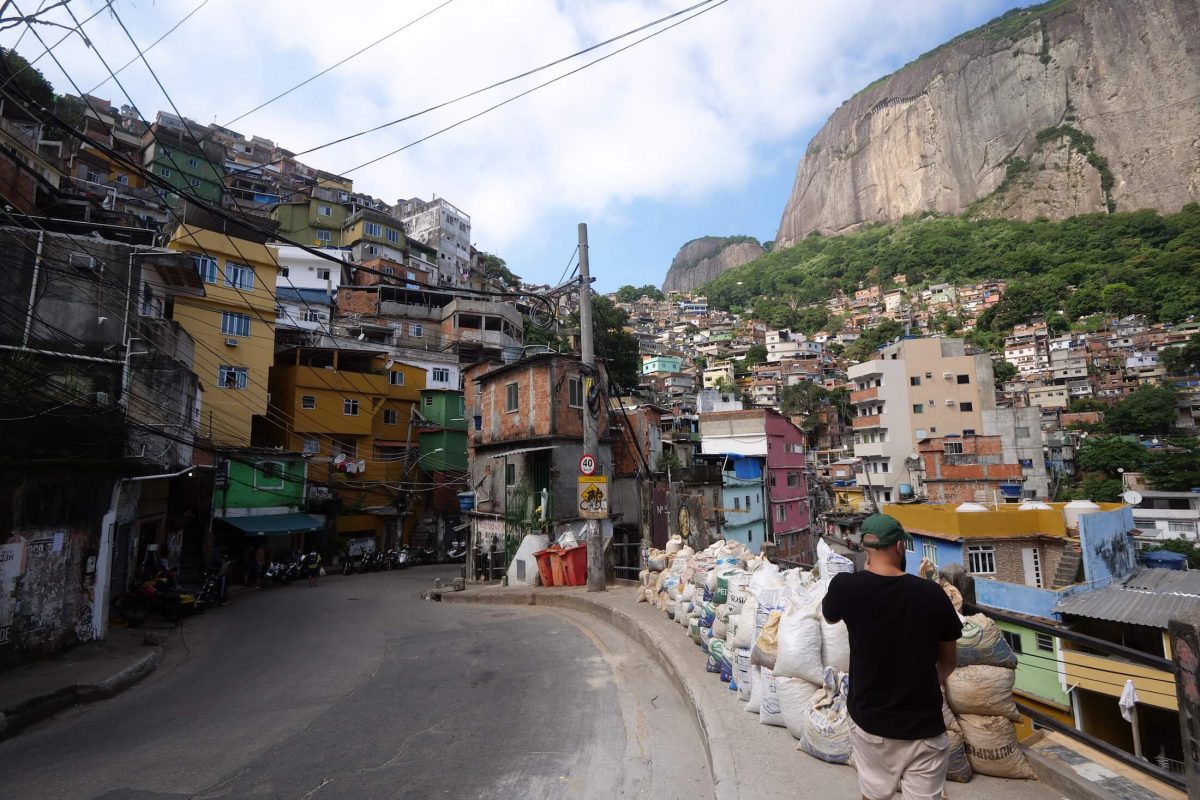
(1010,490)
(466,501)
(906,490)
(1165,559)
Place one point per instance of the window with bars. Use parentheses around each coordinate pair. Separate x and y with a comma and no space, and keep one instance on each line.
(952,448)
(981,559)
(311,446)
(1044,642)
(308,402)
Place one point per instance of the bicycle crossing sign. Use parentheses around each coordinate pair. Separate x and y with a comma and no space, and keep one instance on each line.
(593,496)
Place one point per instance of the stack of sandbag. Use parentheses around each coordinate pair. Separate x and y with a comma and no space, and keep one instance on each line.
(656,560)
(826,726)
(980,694)
(959,769)
(674,544)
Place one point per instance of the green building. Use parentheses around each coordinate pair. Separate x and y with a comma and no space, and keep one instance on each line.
(259,499)
(444,426)
(188,164)
(315,221)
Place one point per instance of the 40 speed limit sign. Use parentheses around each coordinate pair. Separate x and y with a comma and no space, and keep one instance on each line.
(587,464)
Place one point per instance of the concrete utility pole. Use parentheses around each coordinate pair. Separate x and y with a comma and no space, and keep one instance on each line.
(591,443)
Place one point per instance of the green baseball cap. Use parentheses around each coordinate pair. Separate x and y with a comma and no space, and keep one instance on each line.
(887,531)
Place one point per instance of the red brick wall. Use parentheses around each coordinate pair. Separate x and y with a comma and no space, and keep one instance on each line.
(357,301)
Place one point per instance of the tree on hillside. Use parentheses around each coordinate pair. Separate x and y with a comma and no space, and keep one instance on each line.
(1182,359)
(617,347)
(631,294)
(497,269)
(1003,371)
(1149,411)
(756,354)
(872,339)
(1108,454)
(1177,468)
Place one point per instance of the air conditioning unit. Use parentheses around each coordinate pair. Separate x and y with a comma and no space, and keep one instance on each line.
(947,375)
(83,261)
(231,342)
(949,402)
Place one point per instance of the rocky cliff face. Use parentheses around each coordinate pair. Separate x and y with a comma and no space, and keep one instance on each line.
(703,259)
(1071,107)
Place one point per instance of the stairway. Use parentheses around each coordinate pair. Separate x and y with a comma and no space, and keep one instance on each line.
(1068,565)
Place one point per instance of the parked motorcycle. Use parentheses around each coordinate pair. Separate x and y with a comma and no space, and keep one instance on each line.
(426,555)
(149,597)
(403,558)
(209,593)
(457,553)
(347,564)
(390,558)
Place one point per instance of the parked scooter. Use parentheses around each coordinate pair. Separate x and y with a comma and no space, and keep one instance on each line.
(209,593)
(153,596)
(403,558)
(457,553)
(426,555)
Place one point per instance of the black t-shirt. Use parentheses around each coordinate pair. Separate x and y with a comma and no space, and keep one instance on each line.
(895,624)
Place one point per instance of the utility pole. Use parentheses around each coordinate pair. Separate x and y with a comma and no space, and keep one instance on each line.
(591,444)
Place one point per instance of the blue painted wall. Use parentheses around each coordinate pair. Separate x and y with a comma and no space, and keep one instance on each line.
(1108,552)
(1022,599)
(947,553)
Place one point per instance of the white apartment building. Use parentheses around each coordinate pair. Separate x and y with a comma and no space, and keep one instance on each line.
(790,344)
(300,269)
(913,390)
(1028,349)
(440,225)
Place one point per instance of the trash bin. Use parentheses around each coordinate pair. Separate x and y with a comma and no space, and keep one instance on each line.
(557,567)
(545,561)
(574,561)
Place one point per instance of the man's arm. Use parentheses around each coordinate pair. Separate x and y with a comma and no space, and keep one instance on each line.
(947,659)
(831,605)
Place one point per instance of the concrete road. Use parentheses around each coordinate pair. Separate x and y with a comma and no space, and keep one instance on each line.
(360,689)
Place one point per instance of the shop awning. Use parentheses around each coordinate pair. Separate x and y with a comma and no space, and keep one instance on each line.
(276,524)
(518,452)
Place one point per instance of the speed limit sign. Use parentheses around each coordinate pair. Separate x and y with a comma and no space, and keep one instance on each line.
(587,464)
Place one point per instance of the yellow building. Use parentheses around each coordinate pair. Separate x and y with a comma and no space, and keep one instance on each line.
(351,413)
(233,325)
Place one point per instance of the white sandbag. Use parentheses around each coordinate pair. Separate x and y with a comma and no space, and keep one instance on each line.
(827,724)
(674,544)
(799,644)
(745,627)
(685,551)
(768,710)
(719,626)
(982,690)
(835,645)
(743,670)
(644,577)
(795,701)
(656,560)
(754,703)
(956,598)
(830,563)
(688,591)
(765,585)
(991,745)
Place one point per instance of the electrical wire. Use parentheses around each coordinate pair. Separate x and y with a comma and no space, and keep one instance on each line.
(149,47)
(328,69)
(498,84)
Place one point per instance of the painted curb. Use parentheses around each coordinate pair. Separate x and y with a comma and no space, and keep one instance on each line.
(716,745)
(16,718)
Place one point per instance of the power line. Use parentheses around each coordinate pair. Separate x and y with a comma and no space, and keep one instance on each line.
(149,47)
(508,80)
(332,67)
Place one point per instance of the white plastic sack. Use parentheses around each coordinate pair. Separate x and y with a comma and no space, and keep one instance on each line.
(830,563)
(754,704)
(745,627)
(768,710)
(674,544)
(795,701)
(835,645)
(827,724)
(744,671)
(799,644)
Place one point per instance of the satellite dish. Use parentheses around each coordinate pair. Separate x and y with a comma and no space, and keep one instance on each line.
(914,456)
(1131,497)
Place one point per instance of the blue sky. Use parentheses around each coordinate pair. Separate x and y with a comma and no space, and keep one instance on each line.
(695,132)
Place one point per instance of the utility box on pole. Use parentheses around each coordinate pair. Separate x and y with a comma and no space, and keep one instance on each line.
(592,395)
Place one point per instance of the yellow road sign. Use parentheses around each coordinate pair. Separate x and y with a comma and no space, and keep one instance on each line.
(592,496)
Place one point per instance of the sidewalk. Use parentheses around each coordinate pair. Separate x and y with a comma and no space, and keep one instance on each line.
(87,673)
(748,759)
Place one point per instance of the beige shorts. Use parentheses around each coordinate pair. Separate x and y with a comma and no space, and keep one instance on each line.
(917,767)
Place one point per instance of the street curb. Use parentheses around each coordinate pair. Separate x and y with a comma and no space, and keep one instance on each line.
(16,718)
(716,745)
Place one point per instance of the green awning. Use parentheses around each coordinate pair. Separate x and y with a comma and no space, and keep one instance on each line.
(276,524)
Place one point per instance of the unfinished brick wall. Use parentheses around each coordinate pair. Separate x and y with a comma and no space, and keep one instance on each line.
(357,301)
(1010,559)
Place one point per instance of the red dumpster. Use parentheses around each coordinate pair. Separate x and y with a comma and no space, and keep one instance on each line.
(574,561)
(545,561)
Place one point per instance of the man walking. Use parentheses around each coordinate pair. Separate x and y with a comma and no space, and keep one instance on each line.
(903,631)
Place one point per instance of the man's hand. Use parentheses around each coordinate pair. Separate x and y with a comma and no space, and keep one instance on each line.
(947,660)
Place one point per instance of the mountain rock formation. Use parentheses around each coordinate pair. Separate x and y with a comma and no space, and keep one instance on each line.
(701,260)
(1071,107)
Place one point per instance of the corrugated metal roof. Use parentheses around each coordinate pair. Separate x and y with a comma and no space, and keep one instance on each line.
(1150,597)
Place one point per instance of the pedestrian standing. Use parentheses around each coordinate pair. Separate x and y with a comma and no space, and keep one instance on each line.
(312,567)
(223,569)
(260,565)
(902,631)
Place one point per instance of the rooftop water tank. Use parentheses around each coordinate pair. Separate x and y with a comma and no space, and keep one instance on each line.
(1076,509)
(971,508)
(1034,505)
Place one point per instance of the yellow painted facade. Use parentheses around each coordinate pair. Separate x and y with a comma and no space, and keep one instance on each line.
(849,500)
(365,415)
(1107,676)
(997,523)
(232,328)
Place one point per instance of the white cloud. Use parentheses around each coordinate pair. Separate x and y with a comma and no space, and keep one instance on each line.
(691,112)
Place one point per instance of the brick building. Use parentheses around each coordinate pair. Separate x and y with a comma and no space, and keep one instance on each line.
(968,469)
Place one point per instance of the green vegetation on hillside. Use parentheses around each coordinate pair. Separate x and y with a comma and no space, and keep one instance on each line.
(1116,264)
(631,294)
